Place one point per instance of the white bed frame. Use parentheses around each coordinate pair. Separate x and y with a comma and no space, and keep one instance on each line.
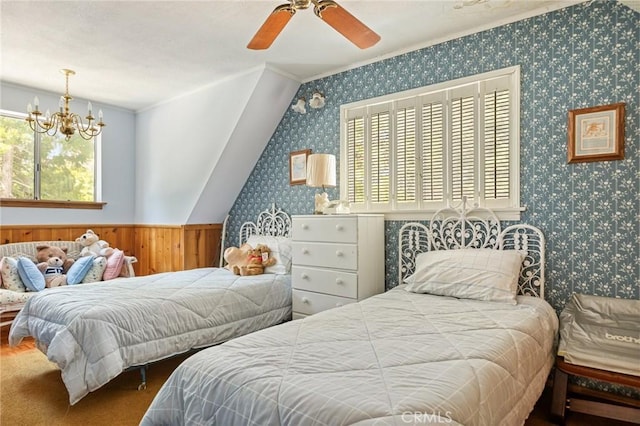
(465,226)
(273,222)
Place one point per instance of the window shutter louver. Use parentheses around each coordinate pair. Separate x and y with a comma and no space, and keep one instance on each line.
(432,152)
(355,160)
(496,145)
(405,155)
(462,149)
(380,161)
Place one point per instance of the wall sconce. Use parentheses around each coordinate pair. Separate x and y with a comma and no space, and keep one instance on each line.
(299,106)
(317,101)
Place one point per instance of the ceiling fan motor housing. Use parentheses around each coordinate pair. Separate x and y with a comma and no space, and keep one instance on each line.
(300,4)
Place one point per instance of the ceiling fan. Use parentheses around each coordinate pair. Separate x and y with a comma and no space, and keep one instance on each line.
(327,10)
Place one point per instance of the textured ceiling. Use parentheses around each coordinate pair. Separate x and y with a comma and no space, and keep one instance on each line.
(134,54)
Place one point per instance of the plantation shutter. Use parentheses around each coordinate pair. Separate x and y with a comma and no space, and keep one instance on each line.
(432,174)
(355,155)
(424,149)
(497,117)
(406,173)
(463,131)
(380,150)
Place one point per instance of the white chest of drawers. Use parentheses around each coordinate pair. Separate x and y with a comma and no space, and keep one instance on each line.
(336,260)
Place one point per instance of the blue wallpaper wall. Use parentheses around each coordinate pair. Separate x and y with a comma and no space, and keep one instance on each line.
(581,56)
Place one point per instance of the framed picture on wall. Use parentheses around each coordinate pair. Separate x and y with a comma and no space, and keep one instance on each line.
(596,133)
(298,167)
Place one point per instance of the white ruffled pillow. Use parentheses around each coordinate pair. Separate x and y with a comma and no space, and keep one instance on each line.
(280,250)
(481,274)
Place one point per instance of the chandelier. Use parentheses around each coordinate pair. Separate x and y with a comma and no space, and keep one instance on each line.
(64,121)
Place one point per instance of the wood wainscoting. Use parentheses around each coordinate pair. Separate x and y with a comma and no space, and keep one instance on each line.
(158,248)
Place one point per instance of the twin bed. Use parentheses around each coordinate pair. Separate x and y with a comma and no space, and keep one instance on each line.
(94,332)
(452,344)
(465,339)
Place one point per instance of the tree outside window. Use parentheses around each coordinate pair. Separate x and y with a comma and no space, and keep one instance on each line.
(42,167)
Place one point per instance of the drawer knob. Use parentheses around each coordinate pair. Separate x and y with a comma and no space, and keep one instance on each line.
(339,253)
(305,251)
(338,304)
(305,300)
(339,227)
(305,226)
(339,281)
(304,276)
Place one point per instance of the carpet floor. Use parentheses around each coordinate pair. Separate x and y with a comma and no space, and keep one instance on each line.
(32,392)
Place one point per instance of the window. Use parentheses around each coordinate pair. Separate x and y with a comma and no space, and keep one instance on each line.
(36,166)
(416,151)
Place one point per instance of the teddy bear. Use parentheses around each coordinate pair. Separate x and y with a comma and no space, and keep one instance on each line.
(54,264)
(259,259)
(93,245)
(237,257)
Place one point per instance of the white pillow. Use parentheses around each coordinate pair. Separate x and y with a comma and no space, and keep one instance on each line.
(280,250)
(481,274)
(10,275)
(96,271)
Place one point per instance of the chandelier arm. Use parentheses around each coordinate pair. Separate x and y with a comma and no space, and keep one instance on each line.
(86,132)
(54,123)
(43,126)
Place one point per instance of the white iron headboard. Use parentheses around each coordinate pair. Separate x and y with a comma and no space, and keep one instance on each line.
(459,227)
(273,222)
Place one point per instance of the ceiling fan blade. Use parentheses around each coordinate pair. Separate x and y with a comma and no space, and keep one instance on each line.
(271,27)
(345,23)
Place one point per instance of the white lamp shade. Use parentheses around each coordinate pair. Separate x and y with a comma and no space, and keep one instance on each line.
(321,170)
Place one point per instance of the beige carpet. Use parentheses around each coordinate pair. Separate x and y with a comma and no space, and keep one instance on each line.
(32,393)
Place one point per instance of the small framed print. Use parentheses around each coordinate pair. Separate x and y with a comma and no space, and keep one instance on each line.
(298,167)
(596,133)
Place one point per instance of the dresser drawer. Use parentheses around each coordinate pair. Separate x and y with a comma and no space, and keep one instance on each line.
(343,256)
(330,281)
(339,229)
(308,303)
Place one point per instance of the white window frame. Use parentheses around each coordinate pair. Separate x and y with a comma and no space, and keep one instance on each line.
(37,176)
(505,209)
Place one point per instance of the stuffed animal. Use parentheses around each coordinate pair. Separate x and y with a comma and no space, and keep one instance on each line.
(259,258)
(54,264)
(237,257)
(93,245)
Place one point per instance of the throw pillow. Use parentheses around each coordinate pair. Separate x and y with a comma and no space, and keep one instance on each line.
(10,275)
(96,271)
(30,274)
(114,265)
(79,270)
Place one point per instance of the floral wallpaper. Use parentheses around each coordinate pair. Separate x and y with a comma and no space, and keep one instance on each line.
(581,56)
